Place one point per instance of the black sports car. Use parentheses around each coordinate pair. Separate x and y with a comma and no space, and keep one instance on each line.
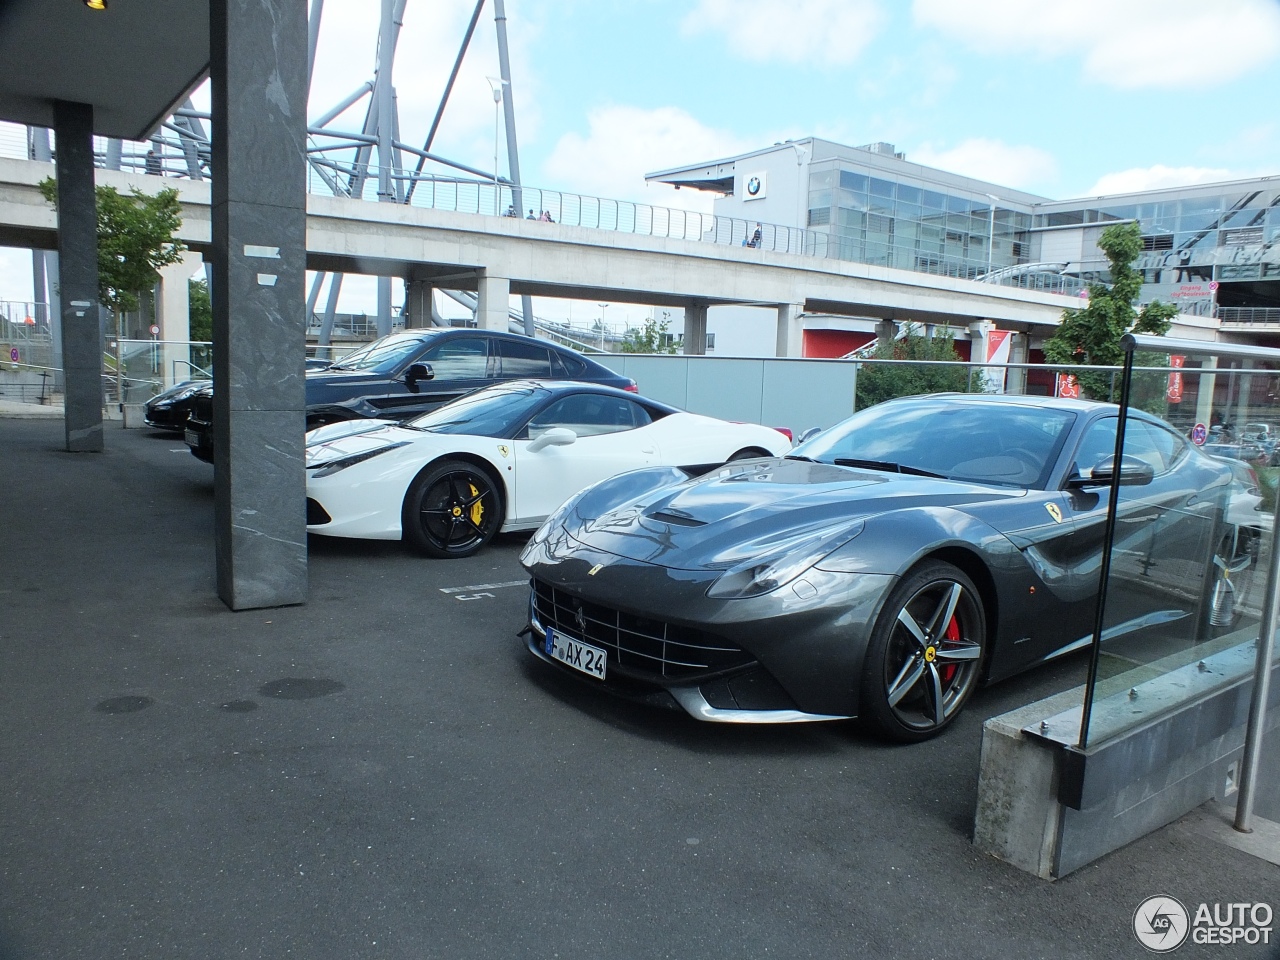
(885,567)
(168,410)
(406,374)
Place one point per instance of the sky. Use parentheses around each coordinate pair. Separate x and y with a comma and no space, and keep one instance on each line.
(1061,99)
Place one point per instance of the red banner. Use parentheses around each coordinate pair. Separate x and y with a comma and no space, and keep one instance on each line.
(1174,391)
(1067,386)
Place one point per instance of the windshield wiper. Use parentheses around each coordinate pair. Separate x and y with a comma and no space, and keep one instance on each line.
(888,466)
(800,456)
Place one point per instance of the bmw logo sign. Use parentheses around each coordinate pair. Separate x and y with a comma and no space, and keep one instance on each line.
(753,186)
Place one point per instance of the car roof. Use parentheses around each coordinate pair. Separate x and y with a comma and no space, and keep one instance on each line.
(559,387)
(1056,403)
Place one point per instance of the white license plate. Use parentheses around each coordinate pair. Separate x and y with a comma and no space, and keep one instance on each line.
(576,654)
(192,438)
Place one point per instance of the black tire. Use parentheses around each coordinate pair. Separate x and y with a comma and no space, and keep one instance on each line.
(925,655)
(451,510)
(749,453)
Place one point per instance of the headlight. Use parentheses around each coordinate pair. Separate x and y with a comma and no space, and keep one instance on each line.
(761,575)
(333,466)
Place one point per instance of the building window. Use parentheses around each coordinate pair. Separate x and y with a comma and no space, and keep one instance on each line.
(711,341)
(820,217)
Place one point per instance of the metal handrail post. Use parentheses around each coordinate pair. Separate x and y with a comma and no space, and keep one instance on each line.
(1261,688)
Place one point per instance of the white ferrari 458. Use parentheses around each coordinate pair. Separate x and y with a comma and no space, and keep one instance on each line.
(502,459)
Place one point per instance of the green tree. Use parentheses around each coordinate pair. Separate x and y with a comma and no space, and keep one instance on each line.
(649,338)
(135,240)
(200,311)
(884,381)
(1091,336)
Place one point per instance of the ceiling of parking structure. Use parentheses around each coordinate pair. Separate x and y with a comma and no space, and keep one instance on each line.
(134,62)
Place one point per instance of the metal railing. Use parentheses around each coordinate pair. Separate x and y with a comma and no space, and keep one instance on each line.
(1249,315)
(505,200)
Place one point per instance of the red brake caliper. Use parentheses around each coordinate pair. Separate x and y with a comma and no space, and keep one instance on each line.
(951,635)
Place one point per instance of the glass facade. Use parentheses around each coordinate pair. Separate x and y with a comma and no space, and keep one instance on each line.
(895,223)
(1210,251)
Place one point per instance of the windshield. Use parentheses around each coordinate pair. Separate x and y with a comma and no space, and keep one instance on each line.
(491,412)
(383,356)
(1002,443)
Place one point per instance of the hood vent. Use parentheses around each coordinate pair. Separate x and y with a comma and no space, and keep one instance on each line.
(679,519)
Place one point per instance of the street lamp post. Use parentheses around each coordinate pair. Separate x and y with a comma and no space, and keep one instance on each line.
(602,307)
(496,84)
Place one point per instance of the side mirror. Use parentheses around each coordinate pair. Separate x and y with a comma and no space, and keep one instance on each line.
(1133,472)
(555,437)
(808,434)
(416,372)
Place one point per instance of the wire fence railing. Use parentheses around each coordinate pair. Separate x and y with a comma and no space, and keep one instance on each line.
(329,177)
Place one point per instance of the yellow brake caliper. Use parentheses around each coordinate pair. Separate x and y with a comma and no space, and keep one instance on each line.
(477,508)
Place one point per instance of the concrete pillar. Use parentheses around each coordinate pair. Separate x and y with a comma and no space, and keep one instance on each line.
(173,316)
(1205,385)
(887,333)
(78,262)
(258,73)
(1019,350)
(695,330)
(790,330)
(417,304)
(493,308)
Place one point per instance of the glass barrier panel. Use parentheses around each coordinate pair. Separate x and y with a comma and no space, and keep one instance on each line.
(1192,540)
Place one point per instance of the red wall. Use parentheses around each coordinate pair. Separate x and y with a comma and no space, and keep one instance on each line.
(833,343)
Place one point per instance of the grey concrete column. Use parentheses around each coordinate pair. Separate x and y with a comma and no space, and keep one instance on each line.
(258,69)
(493,308)
(695,329)
(78,262)
(1019,348)
(887,332)
(417,304)
(790,330)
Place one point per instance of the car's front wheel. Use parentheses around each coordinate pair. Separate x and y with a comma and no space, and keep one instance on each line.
(925,654)
(451,510)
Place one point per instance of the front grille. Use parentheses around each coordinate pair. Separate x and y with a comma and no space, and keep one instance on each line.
(641,646)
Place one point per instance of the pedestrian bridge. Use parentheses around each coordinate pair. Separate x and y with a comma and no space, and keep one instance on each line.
(671,260)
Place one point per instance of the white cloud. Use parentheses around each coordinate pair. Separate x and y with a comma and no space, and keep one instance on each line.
(1155,178)
(624,143)
(1173,44)
(793,31)
(1026,168)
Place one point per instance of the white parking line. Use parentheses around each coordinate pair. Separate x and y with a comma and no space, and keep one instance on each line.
(476,587)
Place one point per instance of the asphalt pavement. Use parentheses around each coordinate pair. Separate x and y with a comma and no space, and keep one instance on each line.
(385,772)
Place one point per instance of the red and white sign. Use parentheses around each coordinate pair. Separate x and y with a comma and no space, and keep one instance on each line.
(1067,387)
(1199,434)
(999,343)
(154,329)
(1173,393)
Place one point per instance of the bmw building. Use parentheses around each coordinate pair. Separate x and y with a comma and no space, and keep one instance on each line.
(1212,249)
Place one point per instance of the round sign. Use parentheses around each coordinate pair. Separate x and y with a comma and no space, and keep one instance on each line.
(13,354)
(154,329)
(1199,434)
(1161,924)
